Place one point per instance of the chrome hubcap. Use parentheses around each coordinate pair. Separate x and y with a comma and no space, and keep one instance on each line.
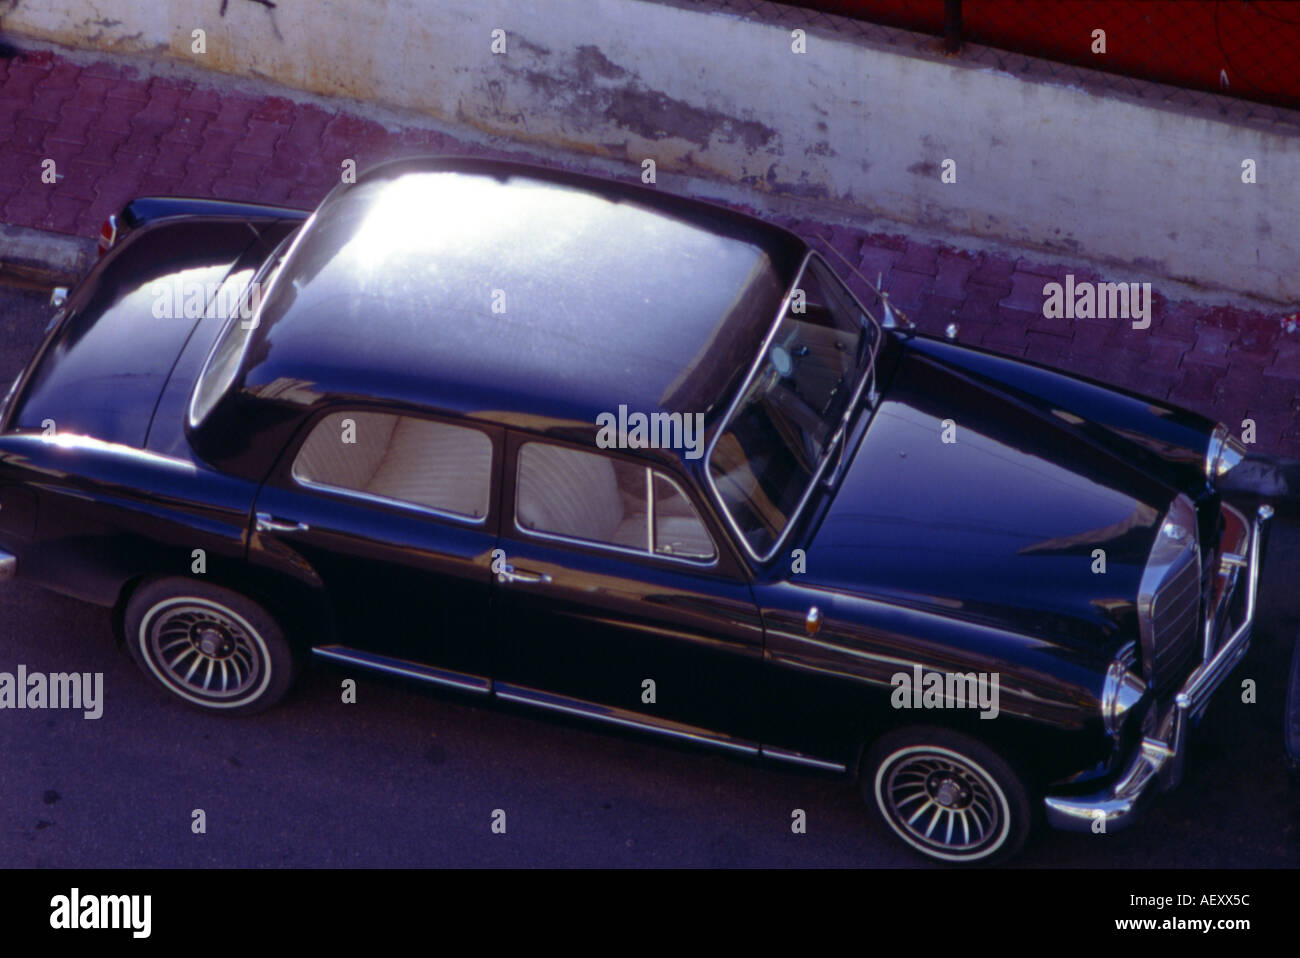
(204,651)
(942,803)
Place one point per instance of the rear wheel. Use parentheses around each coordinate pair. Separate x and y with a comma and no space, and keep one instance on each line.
(209,646)
(947,795)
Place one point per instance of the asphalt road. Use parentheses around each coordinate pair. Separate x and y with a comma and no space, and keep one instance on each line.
(406,777)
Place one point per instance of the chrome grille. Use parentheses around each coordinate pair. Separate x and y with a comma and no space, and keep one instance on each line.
(1175,615)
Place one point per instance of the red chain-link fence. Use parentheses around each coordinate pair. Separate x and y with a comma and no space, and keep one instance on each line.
(1248,49)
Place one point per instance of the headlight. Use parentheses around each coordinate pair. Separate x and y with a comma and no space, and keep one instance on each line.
(1223,453)
(1121,691)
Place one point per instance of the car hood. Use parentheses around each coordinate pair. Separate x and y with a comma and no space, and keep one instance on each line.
(112,348)
(964,498)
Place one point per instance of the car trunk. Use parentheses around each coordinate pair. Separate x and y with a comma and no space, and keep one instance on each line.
(111,350)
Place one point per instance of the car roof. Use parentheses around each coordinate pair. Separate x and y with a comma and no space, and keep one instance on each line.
(520,295)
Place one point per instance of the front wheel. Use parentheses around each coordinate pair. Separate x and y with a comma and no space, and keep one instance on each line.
(948,796)
(209,646)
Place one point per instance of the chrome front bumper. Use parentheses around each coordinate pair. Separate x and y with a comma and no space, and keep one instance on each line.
(1157,765)
(8,566)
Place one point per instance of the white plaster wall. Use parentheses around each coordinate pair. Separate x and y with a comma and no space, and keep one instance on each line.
(721,98)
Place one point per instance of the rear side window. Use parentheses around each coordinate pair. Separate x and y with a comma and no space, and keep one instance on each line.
(590,497)
(403,459)
(222,365)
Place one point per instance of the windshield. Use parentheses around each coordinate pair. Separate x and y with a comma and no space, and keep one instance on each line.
(789,418)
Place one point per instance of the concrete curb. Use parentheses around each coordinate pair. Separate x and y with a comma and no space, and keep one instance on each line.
(44,257)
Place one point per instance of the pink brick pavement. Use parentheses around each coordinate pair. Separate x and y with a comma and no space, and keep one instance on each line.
(116,132)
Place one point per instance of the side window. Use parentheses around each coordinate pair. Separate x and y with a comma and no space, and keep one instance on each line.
(678,529)
(403,459)
(587,496)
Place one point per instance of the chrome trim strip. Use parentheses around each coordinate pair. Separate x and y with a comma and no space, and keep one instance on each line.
(744,386)
(897,605)
(402,667)
(798,758)
(649,509)
(8,566)
(558,703)
(1159,759)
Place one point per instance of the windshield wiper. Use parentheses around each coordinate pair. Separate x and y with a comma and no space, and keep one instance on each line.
(834,448)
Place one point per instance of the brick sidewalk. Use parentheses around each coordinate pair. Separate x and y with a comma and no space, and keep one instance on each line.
(115,133)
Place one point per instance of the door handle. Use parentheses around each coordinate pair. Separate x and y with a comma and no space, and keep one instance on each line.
(511,574)
(268,523)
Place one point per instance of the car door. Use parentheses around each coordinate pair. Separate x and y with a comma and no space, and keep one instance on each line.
(395,514)
(601,616)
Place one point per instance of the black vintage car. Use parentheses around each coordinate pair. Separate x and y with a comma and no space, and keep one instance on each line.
(591,448)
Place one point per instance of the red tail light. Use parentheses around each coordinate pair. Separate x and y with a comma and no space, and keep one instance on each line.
(107,235)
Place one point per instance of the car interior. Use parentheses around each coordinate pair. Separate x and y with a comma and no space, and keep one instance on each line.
(585,495)
(561,491)
(403,458)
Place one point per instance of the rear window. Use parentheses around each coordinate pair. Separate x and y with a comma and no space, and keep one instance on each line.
(223,364)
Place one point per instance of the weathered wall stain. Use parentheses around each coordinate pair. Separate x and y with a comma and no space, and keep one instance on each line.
(591,63)
(574,87)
